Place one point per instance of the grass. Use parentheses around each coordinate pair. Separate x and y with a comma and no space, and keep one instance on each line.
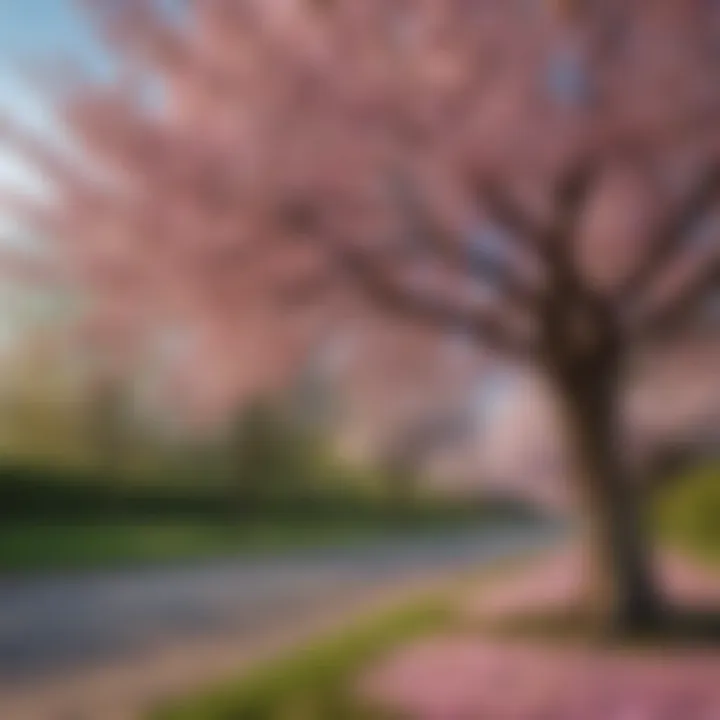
(41,546)
(53,546)
(314,683)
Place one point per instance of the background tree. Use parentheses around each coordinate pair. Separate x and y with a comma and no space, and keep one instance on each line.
(540,178)
(265,451)
(42,420)
(405,453)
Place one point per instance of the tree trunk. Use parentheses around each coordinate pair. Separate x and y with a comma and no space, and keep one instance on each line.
(623,593)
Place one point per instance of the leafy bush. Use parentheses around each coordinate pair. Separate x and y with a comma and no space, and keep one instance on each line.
(689,512)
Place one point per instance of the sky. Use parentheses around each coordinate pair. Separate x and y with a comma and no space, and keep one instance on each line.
(29,24)
(32,32)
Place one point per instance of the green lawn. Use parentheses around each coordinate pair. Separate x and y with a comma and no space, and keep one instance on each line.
(315,683)
(34,546)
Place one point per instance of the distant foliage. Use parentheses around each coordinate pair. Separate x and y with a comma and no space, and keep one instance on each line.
(271,454)
(689,512)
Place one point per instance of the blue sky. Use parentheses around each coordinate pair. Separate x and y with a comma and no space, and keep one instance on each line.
(31,27)
(33,32)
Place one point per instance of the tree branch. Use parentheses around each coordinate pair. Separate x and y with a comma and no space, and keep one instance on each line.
(571,195)
(383,288)
(524,231)
(455,255)
(672,314)
(672,235)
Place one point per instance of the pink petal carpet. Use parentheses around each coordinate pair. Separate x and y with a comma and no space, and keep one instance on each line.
(468,675)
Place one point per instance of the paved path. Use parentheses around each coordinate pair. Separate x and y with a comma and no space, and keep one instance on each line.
(50,625)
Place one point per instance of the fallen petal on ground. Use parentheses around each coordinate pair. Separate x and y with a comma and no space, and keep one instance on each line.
(475,677)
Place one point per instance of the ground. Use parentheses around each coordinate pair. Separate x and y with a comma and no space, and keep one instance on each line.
(512,645)
(473,673)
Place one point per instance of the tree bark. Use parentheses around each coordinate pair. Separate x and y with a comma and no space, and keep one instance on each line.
(623,593)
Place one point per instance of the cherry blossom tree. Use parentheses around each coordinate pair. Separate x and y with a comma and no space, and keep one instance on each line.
(535,177)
